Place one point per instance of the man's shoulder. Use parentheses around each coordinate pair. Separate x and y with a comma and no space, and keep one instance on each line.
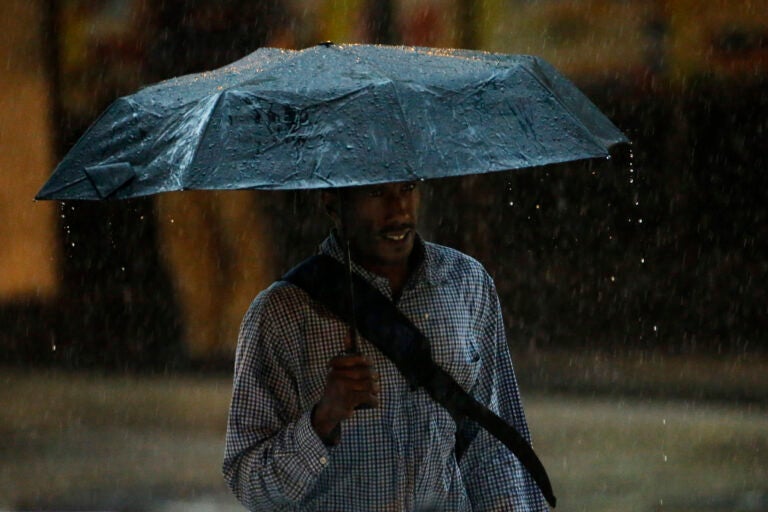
(454,264)
(280,297)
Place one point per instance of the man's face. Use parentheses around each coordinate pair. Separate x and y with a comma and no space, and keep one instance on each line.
(380,221)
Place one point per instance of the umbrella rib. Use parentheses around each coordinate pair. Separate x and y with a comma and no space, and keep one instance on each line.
(407,129)
(399,102)
(200,139)
(65,186)
(567,109)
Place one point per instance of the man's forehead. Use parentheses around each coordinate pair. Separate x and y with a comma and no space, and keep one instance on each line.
(379,186)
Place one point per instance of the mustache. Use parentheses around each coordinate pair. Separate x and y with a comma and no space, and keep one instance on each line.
(397,227)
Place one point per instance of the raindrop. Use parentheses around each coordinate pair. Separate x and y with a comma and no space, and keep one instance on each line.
(73,244)
(665,457)
(53,347)
(511,203)
(639,221)
(613,279)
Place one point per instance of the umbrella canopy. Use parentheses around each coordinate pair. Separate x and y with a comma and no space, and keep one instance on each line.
(334,116)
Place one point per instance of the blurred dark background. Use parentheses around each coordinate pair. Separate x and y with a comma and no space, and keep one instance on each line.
(661,248)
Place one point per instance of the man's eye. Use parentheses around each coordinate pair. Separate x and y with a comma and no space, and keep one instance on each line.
(375,192)
(409,187)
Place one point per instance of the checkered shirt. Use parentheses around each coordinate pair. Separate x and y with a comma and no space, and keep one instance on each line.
(399,456)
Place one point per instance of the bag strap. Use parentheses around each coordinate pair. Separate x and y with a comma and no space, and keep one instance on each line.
(387,328)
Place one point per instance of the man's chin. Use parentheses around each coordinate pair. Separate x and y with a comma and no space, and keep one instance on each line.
(396,250)
(389,254)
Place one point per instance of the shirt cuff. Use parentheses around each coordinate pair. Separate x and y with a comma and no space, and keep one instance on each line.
(311,448)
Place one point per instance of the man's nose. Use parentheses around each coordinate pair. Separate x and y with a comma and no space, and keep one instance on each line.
(399,204)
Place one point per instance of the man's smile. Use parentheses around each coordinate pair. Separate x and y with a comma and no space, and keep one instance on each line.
(396,235)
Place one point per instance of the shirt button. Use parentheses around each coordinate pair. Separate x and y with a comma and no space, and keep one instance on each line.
(323,461)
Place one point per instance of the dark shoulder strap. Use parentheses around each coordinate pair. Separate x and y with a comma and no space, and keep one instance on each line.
(325,280)
(387,328)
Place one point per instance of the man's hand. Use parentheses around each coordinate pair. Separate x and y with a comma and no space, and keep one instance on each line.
(351,383)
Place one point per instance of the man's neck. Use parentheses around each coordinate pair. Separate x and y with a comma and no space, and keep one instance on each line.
(397,275)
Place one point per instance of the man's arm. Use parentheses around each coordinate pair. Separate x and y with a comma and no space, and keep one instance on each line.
(273,455)
(494,478)
(279,443)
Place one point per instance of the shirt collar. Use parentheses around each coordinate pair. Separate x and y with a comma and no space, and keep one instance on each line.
(426,270)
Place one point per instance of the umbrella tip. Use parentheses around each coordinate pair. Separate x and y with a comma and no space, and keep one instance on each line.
(327,43)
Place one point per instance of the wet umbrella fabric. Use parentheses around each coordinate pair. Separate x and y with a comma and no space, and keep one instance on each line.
(334,116)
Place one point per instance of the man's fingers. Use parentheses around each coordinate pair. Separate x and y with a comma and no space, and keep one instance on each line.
(346,361)
(351,383)
(362,398)
(352,368)
(344,406)
(354,381)
(354,373)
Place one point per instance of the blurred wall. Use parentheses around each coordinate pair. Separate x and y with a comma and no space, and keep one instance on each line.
(218,247)
(663,251)
(28,249)
(665,248)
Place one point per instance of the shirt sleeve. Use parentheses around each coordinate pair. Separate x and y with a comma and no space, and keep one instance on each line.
(273,456)
(494,478)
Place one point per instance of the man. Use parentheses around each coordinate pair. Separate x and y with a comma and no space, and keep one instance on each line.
(313,427)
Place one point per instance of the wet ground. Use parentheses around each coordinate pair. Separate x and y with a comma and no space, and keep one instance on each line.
(148,443)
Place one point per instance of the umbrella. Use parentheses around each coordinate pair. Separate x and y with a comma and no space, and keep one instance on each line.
(334,116)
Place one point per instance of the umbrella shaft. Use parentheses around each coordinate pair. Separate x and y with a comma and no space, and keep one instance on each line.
(353,334)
